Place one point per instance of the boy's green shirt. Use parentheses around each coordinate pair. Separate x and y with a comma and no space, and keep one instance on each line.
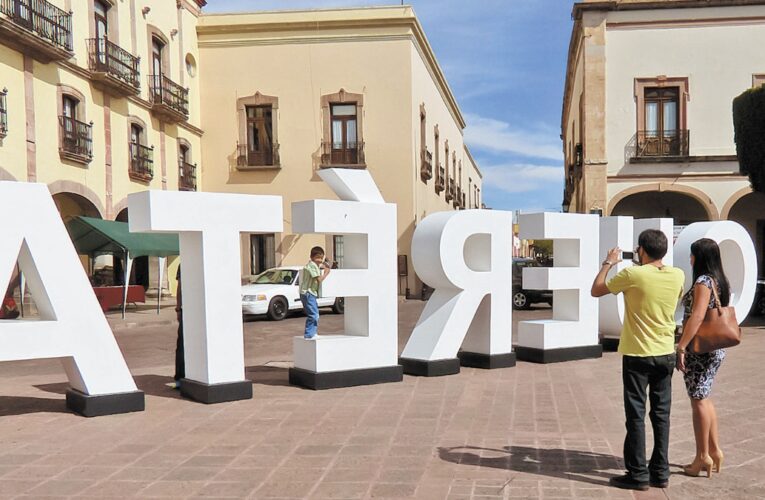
(309,279)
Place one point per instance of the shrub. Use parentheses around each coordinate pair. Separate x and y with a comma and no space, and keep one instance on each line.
(749,128)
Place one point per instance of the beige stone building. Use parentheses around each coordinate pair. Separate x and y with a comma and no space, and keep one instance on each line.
(647,123)
(100,99)
(286,94)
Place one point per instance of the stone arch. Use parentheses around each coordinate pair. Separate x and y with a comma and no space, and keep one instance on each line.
(119,207)
(702,198)
(735,197)
(71,187)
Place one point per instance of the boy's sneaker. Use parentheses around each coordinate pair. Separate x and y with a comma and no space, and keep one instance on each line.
(626,482)
(176,384)
(310,338)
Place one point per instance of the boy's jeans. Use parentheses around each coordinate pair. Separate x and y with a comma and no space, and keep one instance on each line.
(311,309)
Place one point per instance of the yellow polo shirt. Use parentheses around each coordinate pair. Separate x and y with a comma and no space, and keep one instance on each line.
(650,299)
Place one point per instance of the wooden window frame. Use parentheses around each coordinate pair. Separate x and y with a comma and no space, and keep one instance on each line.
(344,97)
(257,100)
(112,20)
(641,84)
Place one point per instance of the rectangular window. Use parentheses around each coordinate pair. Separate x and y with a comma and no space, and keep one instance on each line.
(661,135)
(260,135)
(344,138)
(758,80)
(338,250)
(263,252)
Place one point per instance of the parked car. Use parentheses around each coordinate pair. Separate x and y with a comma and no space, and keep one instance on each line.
(522,298)
(275,293)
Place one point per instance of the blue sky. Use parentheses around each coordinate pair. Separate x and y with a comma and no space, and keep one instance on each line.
(505,61)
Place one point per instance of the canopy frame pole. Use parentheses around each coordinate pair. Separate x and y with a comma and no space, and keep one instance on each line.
(160,272)
(22,290)
(128,267)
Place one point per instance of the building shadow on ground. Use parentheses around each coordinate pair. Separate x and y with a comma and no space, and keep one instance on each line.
(574,465)
(23,405)
(268,375)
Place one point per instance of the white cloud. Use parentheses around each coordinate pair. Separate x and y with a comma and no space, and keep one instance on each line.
(522,177)
(497,136)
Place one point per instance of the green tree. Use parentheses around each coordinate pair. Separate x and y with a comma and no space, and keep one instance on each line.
(749,128)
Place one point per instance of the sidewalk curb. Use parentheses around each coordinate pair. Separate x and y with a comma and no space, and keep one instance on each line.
(115,326)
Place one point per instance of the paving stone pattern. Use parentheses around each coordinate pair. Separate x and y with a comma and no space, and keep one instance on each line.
(533,431)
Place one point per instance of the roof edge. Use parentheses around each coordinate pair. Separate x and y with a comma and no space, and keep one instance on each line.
(609,5)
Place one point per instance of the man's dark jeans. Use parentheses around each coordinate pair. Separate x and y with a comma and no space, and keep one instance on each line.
(180,362)
(654,373)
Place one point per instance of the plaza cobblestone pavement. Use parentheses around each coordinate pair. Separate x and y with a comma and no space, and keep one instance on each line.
(532,431)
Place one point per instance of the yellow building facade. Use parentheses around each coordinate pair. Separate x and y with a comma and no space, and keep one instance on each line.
(287,94)
(100,99)
(103,98)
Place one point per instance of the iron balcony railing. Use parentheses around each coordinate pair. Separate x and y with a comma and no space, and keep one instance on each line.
(165,91)
(653,144)
(76,137)
(345,154)
(3,113)
(426,165)
(187,176)
(441,180)
(449,189)
(458,197)
(141,161)
(107,57)
(245,157)
(42,18)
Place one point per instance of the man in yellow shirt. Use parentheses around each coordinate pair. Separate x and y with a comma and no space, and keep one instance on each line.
(647,343)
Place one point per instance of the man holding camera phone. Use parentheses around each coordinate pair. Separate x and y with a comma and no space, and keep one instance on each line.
(647,342)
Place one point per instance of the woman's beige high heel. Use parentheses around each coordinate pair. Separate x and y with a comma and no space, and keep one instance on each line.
(717,461)
(696,467)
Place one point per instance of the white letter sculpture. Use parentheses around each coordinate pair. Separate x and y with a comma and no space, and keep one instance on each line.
(623,232)
(573,331)
(467,257)
(209,227)
(71,326)
(367,352)
(739,260)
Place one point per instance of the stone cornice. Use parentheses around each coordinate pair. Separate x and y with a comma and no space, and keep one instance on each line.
(327,26)
(610,5)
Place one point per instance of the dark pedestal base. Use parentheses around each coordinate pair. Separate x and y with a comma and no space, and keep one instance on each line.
(435,368)
(486,361)
(609,344)
(216,393)
(348,378)
(558,355)
(105,404)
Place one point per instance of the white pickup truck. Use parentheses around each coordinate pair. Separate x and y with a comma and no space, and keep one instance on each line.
(275,293)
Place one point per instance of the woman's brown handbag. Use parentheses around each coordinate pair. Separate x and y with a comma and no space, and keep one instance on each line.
(718,330)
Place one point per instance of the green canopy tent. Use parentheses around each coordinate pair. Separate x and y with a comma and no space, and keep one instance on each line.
(93,237)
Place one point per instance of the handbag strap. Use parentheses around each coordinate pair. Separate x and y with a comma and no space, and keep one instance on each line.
(717,297)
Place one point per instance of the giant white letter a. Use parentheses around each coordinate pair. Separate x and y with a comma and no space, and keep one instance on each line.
(72,326)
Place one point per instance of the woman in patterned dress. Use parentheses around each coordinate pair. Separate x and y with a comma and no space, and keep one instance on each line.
(699,369)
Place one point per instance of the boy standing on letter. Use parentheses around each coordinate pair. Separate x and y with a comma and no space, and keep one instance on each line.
(311,277)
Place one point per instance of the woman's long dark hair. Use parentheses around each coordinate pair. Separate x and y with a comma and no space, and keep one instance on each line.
(707,261)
